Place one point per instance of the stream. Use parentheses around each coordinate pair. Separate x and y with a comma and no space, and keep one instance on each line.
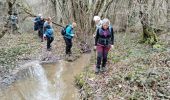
(46,81)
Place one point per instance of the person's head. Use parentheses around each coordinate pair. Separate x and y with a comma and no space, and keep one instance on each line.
(96,19)
(49,20)
(74,24)
(105,23)
(42,18)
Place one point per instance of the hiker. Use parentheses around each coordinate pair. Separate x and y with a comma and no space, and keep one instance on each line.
(104,40)
(68,37)
(40,30)
(38,25)
(36,20)
(14,21)
(98,23)
(48,32)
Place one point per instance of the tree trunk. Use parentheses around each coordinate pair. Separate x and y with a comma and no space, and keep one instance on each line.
(149,36)
(168,15)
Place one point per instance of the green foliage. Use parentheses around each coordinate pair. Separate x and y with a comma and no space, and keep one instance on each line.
(159,47)
(149,36)
(79,80)
(9,56)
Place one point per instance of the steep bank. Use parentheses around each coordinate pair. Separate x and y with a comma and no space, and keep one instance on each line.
(135,71)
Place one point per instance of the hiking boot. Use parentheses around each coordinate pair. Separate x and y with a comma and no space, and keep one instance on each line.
(97,70)
(103,69)
(49,49)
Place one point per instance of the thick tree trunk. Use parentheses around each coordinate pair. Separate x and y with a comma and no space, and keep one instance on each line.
(149,36)
(168,15)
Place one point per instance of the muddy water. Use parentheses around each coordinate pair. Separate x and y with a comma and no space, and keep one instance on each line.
(54,81)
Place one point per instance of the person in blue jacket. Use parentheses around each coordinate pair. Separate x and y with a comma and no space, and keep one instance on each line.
(68,37)
(48,32)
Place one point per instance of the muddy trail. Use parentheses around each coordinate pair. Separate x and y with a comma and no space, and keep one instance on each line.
(46,81)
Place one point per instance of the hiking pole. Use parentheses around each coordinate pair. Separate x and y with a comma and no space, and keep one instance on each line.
(58,24)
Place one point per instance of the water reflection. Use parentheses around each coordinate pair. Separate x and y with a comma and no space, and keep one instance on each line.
(52,81)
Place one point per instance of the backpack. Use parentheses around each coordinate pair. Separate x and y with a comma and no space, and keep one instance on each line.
(13,19)
(63,31)
(36,23)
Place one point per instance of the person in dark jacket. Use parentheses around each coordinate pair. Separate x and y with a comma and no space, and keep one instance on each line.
(48,32)
(104,40)
(38,25)
(68,37)
(40,30)
(36,22)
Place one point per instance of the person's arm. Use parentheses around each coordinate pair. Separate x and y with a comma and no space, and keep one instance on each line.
(96,37)
(44,28)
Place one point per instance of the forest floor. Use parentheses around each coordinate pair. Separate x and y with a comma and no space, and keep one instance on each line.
(135,71)
(18,49)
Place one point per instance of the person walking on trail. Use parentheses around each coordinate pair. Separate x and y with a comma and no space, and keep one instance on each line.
(40,30)
(104,40)
(38,25)
(13,20)
(48,32)
(36,20)
(68,36)
(98,23)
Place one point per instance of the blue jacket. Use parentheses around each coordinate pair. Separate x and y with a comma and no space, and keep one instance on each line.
(69,32)
(48,30)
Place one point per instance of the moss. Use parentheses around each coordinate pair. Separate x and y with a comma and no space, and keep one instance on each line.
(79,80)
(149,36)
(159,47)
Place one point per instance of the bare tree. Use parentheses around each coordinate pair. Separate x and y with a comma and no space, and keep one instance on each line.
(168,14)
(148,33)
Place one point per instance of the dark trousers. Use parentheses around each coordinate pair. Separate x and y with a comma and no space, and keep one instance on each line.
(49,41)
(68,45)
(40,33)
(102,52)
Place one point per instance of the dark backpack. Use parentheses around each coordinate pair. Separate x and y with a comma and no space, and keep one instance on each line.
(63,31)
(36,23)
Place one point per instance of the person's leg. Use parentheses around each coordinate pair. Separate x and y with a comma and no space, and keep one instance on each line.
(48,42)
(99,57)
(41,34)
(67,45)
(105,53)
(51,40)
